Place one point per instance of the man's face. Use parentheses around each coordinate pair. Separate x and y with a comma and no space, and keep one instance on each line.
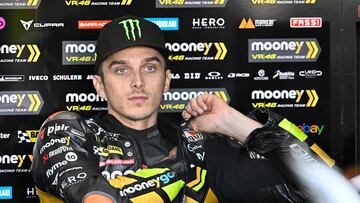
(133,83)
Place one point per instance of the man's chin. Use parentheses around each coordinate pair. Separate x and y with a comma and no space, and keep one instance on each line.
(138,115)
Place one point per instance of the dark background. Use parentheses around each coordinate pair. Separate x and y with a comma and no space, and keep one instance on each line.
(336,109)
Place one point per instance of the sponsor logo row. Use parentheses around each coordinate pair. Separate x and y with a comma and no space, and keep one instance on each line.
(259,51)
(34,4)
(172,23)
(175,100)
(212,75)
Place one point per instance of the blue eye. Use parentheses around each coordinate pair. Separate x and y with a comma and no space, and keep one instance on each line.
(150,69)
(121,71)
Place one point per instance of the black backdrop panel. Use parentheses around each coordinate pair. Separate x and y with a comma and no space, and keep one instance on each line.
(251,53)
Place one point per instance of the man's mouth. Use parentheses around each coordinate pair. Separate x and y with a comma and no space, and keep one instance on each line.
(138,99)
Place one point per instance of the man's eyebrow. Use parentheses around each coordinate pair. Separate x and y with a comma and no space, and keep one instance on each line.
(153,58)
(117,62)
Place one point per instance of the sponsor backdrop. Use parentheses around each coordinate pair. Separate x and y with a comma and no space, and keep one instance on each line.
(278,54)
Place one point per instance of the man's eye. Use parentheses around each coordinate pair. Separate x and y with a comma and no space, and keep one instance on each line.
(121,70)
(150,69)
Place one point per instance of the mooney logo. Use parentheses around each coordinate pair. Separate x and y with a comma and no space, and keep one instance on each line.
(19,4)
(165,23)
(283,50)
(190,3)
(31,53)
(272,2)
(78,52)
(175,100)
(278,95)
(7,162)
(205,48)
(131,28)
(92,24)
(306,22)
(20,102)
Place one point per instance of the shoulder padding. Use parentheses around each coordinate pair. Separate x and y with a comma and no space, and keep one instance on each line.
(67,115)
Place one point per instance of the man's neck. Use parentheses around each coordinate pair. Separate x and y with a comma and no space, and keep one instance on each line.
(140,124)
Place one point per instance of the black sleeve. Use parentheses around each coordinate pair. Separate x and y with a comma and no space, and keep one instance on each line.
(61,165)
(236,177)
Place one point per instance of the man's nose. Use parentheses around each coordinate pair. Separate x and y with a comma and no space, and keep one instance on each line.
(137,80)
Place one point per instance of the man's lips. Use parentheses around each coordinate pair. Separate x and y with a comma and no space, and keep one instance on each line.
(138,98)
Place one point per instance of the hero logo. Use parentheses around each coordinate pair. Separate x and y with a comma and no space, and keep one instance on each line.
(71,180)
(208,23)
(56,166)
(306,22)
(155,182)
(63,140)
(83,97)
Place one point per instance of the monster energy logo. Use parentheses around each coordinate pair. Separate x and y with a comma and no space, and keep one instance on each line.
(134,24)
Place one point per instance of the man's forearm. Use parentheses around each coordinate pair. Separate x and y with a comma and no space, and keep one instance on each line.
(237,125)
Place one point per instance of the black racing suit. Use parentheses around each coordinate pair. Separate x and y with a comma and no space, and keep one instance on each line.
(75,157)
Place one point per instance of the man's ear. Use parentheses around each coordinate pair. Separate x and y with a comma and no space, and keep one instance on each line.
(167,80)
(99,86)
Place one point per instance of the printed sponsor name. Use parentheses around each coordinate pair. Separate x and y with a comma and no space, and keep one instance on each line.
(20,102)
(165,23)
(190,3)
(306,22)
(283,50)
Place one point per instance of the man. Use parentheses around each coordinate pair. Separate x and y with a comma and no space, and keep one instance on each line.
(127,155)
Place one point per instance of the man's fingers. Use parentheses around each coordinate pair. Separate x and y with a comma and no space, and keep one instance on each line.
(201,101)
(195,107)
(186,115)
